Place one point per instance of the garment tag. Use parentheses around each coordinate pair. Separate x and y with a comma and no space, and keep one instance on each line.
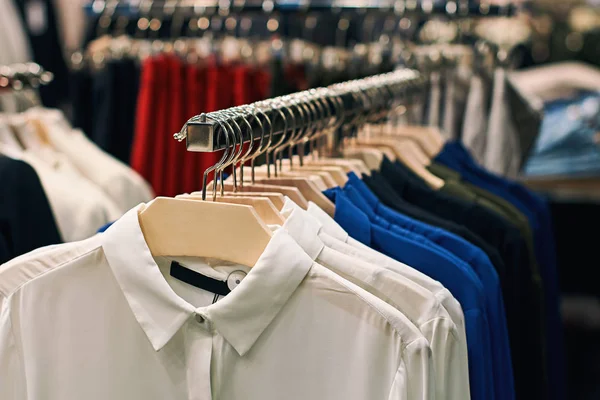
(35,13)
(220,288)
(200,281)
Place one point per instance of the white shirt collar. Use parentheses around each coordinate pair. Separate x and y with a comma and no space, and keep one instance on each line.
(303,228)
(329,225)
(240,317)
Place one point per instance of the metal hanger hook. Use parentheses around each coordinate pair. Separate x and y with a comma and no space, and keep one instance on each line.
(222,131)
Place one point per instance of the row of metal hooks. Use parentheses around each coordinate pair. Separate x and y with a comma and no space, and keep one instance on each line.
(295,121)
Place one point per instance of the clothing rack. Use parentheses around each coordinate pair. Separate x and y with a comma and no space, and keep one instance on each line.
(342,104)
(23,76)
(460,8)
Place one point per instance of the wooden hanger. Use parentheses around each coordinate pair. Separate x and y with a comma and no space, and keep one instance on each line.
(260,189)
(265,209)
(386,150)
(413,149)
(371,157)
(397,145)
(429,138)
(181,227)
(325,176)
(357,166)
(410,154)
(271,192)
(337,173)
(322,181)
(308,190)
(277,199)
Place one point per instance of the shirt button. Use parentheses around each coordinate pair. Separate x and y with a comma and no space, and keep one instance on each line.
(235,278)
(199,319)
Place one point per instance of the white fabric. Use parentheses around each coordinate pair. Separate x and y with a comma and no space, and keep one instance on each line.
(7,138)
(14,48)
(103,319)
(502,150)
(77,213)
(122,184)
(62,165)
(419,305)
(435,99)
(14,44)
(474,133)
(78,205)
(449,119)
(347,245)
(71,21)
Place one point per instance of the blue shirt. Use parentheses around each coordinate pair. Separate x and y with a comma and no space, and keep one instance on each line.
(104,227)
(478,263)
(536,209)
(455,276)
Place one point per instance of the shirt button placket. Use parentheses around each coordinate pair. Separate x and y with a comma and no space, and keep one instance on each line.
(199,337)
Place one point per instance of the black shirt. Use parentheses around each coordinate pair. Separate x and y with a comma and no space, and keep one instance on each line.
(26,220)
(115,90)
(44,38)
(523,294)
(390,198)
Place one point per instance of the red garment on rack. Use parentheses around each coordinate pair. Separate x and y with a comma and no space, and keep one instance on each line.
(176,151)
(262,83)
(194,105)
(242,85)
(295,73)
(142,150)
(161,126)
(171,93)
(219,94)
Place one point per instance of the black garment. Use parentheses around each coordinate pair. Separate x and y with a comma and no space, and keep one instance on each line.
(390,198)
(105,104)
(576,222)
(26,220)
(575,228)
(80,88)
(522,289)
(39,21)
(126,86)
(4,250)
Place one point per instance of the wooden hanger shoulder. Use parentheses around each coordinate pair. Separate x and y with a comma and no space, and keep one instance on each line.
(276,198)
(290,191)
(337,173)
(179,227)
(263,206)
(371,157)
(308,190)
(317,179)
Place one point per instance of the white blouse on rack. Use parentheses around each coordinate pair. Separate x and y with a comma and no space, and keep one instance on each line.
(419,305)
(103,319)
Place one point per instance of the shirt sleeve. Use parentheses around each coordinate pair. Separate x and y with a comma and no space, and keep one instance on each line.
(399,389)
(12,377)
(449,358)
(419,370)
